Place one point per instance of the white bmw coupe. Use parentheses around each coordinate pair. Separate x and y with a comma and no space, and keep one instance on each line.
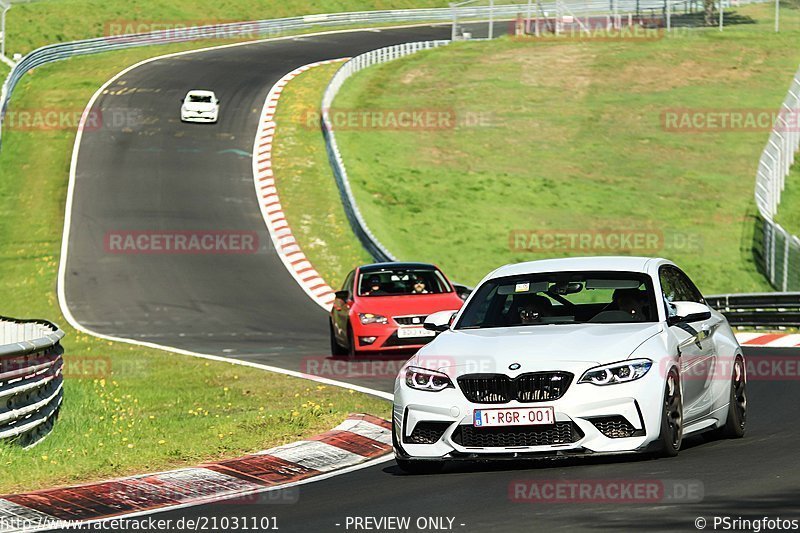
(594,355)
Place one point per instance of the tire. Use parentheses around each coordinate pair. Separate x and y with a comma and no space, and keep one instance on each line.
(736,421)
(336,349)
(671,435)
(351,343)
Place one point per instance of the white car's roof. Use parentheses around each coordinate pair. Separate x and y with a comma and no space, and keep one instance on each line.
(200,93)
(569,264)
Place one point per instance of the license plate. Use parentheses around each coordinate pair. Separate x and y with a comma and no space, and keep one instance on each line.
(408,333)
(528,416)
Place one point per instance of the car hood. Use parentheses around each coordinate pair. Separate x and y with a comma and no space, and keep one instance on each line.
(199,106)
(534,348)
(421,304)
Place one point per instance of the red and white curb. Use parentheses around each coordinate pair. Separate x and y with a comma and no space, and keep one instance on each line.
(358,439)
(285,244)
(769,340)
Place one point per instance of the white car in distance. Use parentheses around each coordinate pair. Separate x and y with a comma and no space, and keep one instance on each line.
(200,106)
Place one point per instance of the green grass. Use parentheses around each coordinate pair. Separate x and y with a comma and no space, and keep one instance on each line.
(305,183)
(573,141)
(148,410)
(50,21)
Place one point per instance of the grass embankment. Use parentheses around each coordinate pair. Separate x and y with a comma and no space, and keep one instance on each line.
(51,21)
(304,181)
(127,409)
(572,138)
(789,210)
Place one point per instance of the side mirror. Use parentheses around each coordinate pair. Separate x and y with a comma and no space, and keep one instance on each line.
(462,291)
(439,321)
(688,312)
(342,295)
(218,101)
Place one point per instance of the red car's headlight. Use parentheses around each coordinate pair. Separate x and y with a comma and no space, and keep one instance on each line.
(369,318)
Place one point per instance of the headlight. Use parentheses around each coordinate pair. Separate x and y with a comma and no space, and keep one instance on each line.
(429,380)
(621,372)
(369,318)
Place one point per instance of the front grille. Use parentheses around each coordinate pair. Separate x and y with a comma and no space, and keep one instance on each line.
(415,320)
(510,437)
(525,388)
(394,340)
(427,433)
(616,427)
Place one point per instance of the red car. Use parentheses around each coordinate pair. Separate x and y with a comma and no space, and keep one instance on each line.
(381,307)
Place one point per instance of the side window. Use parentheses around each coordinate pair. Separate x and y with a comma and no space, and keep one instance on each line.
(688,289)
(348,282)
(676,286)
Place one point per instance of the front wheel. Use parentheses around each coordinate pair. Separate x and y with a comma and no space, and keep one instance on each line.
(671,416)
(336,349)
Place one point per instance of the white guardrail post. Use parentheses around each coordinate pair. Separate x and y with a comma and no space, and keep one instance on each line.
(779,250)
(31,379)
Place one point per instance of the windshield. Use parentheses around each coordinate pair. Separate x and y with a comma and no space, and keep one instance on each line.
(397,282)
(561,298)
(200,99)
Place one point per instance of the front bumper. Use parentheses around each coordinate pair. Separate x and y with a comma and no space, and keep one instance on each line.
(590,419)
(387,339)
(194,117)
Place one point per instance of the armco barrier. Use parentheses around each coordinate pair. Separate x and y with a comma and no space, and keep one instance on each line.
(31,380)
(374,57)
(768,310)
(260,29)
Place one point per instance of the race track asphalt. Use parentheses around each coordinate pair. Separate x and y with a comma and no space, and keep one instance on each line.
(149,172)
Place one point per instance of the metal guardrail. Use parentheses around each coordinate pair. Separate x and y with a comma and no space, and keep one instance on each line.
(768,310)
(356,64)
(31,380)
(777,250)
(378,251)
(260,29)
